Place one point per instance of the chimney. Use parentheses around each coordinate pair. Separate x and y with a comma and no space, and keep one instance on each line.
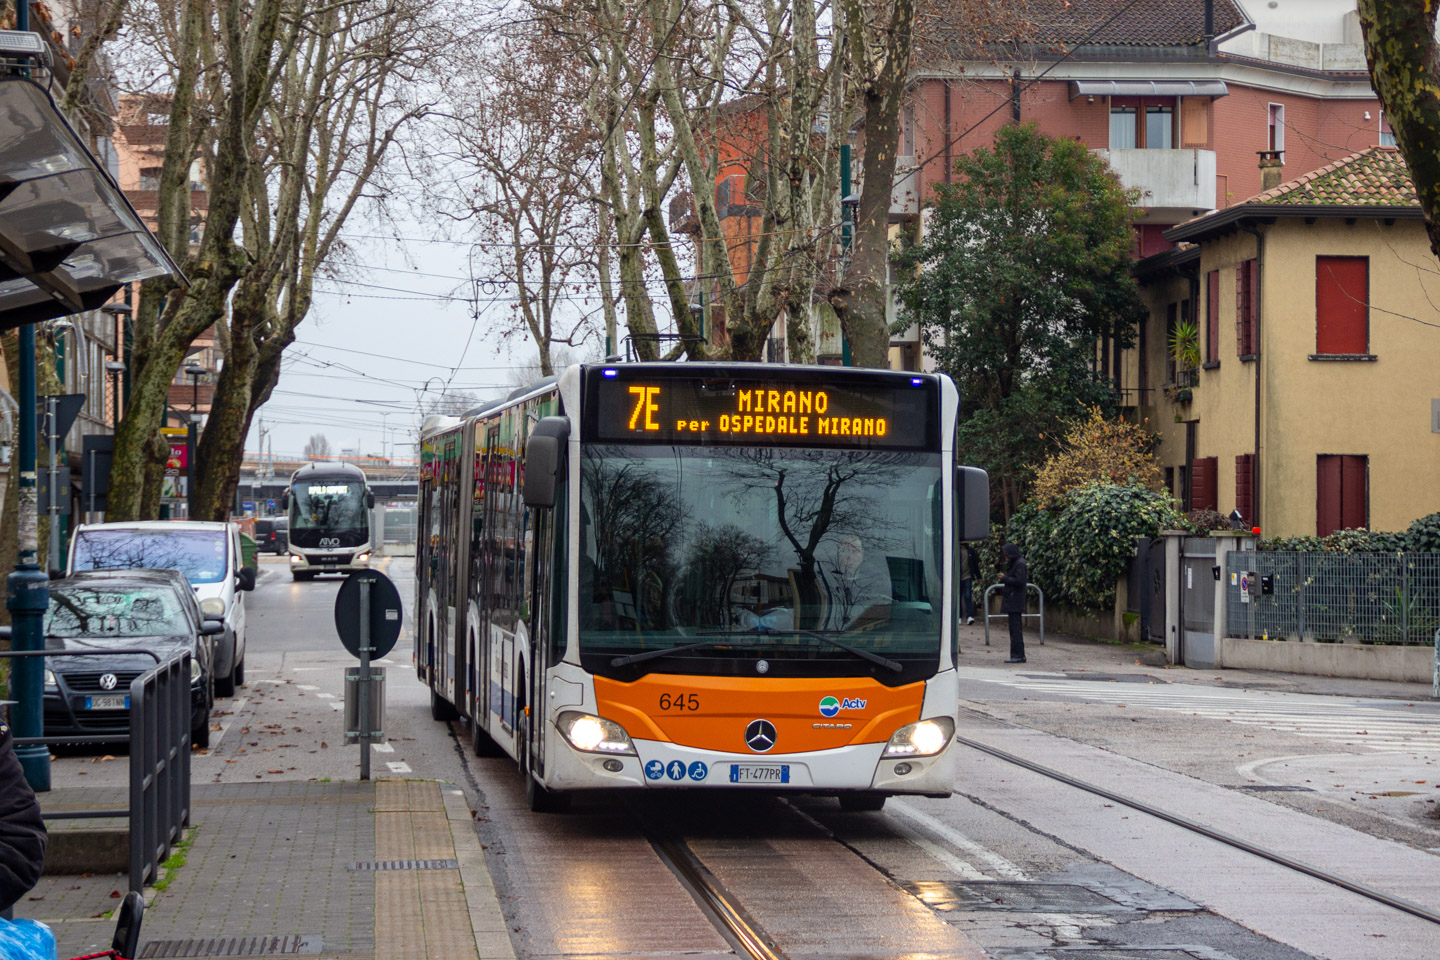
(1209,19)
(1271,166)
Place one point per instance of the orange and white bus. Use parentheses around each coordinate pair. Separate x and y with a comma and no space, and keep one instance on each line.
(673,576)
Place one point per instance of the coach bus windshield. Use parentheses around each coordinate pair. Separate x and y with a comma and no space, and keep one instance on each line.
(763,551)
(333,509)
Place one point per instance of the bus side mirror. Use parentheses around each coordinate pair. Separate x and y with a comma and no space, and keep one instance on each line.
(972,503)
(369,499)
(544,456)
(285,500)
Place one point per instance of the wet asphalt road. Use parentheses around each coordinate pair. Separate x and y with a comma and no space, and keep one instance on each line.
(1012,866)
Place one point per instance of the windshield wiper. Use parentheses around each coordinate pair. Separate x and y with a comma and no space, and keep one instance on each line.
(875,658)
(663,652)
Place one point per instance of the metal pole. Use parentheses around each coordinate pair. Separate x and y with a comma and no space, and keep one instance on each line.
(190,470)
(52,507)
(28,589)
(363,694)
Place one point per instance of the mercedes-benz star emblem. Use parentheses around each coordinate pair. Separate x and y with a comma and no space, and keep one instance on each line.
(760,735)
(108,681)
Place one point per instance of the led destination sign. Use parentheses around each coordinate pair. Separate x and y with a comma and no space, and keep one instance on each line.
(812,413)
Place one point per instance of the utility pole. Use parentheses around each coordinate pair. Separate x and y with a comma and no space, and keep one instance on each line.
(27,593)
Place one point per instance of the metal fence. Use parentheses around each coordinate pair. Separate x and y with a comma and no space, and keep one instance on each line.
(159,739)
(1333,597)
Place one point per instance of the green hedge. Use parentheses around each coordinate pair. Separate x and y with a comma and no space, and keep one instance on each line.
(1422,537)
(1077,550)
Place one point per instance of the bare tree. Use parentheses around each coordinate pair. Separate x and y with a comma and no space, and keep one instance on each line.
(317,447)
(341,97)
(518,158)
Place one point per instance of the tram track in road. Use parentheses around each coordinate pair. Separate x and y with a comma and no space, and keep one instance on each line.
(731,919)
(1220,836)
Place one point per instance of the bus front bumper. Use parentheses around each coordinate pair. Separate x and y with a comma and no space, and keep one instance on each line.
(658,765)
(329,563)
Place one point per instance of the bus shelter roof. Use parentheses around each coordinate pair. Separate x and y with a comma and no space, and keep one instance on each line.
(68,237)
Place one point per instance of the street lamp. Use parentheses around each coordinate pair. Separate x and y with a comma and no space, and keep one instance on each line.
(195,372)
(115,368)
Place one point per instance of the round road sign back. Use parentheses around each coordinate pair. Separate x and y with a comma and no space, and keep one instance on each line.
(385,613)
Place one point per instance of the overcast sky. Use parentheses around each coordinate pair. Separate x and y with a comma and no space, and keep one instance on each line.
(374,340)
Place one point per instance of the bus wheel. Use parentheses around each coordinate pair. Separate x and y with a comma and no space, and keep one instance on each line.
(861,802)
(545,801)
(442,709)
(482,743)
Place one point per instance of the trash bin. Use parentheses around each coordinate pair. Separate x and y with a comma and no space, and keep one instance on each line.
(248,550)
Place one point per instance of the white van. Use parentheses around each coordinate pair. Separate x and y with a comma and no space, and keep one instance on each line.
(208,553)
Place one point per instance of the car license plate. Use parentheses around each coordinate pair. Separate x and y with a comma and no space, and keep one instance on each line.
(330,566)
(107,703)
(759,773)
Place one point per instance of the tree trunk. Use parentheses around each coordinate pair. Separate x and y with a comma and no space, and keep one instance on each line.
(225,429)
(1404,60)
(883,52)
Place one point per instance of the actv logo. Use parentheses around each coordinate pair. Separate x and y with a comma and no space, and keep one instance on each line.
(830,706)
(329,541)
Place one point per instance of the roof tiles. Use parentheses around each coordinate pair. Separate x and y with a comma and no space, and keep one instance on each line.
(1373,177)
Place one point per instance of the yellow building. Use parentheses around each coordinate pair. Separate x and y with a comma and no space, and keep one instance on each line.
(1316,402)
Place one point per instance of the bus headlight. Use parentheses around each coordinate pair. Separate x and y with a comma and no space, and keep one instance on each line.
(594,734)
(923,739)
(50,680)
(362,558)
(194,671)
(213,605)
(294,558)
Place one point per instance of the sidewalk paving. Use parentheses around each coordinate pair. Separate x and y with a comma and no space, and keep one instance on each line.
(1063,654)
(391,869)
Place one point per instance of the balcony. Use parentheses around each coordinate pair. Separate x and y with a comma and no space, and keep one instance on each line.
(1178,180)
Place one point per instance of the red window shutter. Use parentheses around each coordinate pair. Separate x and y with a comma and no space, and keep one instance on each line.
(1245,308)
(1245,487)
(1212,316)
(1342,305)
(1327,495)
(1251,328)
(1203,487)
(1354,492)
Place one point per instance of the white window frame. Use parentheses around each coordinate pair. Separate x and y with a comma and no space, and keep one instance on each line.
(1275,117)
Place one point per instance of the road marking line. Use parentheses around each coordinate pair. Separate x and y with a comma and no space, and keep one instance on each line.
(324,696)
(1002,867)
(384,748)
(306,686)
(336,705)
(398,766)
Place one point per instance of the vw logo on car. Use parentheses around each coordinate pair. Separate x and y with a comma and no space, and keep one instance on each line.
(108,681)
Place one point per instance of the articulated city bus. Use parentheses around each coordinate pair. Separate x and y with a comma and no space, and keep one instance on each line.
(329,506)
(686,575)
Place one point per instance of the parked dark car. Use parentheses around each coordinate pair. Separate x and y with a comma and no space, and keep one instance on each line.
(272,534)
(151,610)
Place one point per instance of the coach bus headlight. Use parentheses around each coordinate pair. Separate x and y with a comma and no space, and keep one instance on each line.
(362,558)
(923,739)
(294,558)
(595,734)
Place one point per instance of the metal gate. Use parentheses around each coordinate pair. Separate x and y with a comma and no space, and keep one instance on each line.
(1197,602)
(1146,594)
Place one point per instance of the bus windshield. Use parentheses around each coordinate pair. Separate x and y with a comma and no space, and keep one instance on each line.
(334,509)
(759,550)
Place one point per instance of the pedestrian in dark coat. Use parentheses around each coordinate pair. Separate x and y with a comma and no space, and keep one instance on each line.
(1012,599)
(969,573)
(22,831)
